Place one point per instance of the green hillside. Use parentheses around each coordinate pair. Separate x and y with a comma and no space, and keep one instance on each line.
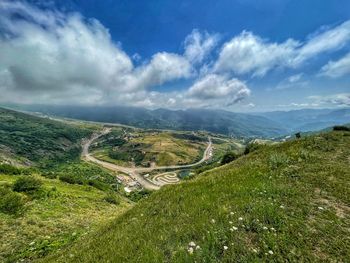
(37,139)
(280,203)
(48,197)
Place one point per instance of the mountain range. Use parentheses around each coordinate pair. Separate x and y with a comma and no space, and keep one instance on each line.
(268,124)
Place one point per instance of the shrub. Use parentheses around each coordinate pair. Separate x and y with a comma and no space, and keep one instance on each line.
(99,185)
(71,179)
(341,128)
(9,169)
(251,147)
(27,184)
(229,157)
(10,202)
(112,199)
(277,160)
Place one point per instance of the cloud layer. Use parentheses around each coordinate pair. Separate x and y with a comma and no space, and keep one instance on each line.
(47,56)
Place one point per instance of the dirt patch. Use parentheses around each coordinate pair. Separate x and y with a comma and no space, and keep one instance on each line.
(342,210)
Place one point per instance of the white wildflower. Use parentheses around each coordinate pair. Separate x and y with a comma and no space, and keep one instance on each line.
(230,222)
(198,247)
(192,244)
(265,228)
(320,208)
(270,252)
(213,221)
(190,250)
(225,247)
(240,218)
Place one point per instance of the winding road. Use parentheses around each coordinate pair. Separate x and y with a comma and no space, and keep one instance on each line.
(134,172)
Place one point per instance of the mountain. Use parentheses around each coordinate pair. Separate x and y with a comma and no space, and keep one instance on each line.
(216,121)
(309,119)
(276,204)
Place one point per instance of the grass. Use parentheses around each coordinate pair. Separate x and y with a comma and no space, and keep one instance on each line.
(49,223)
(38,140)
(288,202)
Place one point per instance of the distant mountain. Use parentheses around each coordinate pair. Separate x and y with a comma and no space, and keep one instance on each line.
(309,119)
(216,121)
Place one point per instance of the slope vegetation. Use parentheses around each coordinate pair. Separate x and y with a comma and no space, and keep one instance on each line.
(285,202)
(38,139)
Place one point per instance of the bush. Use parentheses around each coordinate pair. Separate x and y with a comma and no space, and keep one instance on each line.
(27,184)
(112,199)
(277,160)
(9,169)
(251,147)
(341,128)
(229,157)
(99,185)
(71,179)
(10,202)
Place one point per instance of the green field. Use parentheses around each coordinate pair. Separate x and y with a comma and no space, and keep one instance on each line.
(161,148)
(284,202)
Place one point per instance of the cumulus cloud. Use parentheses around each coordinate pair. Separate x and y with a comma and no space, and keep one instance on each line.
(216,89)
(337,68)
(248,53)
(199,45)
(53,57)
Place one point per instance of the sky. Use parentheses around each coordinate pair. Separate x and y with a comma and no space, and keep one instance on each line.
(238,55)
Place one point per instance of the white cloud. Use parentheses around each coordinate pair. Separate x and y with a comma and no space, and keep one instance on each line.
(337,68)
(218,89)
(341,99)
(295,78)
(48,56)
(162,68)
(198,45)
(248,53)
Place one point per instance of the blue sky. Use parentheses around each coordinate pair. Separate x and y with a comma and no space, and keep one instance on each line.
(240,55)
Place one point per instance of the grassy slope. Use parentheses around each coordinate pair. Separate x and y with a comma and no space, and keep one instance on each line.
(293,200)
(67,211)
(38,139)
(52,222)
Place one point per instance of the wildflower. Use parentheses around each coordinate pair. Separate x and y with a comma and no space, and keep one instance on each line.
(265,228)
(240,219)
(232,213)
(234,228)
(230,222)
(270,252)
(281,206)
(320,208)
(192,244)
(225,247)
(190,250)
(198,247)
(255,251)
(213,221)
(272,229)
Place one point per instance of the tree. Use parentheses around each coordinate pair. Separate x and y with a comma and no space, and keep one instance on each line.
(229,157)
